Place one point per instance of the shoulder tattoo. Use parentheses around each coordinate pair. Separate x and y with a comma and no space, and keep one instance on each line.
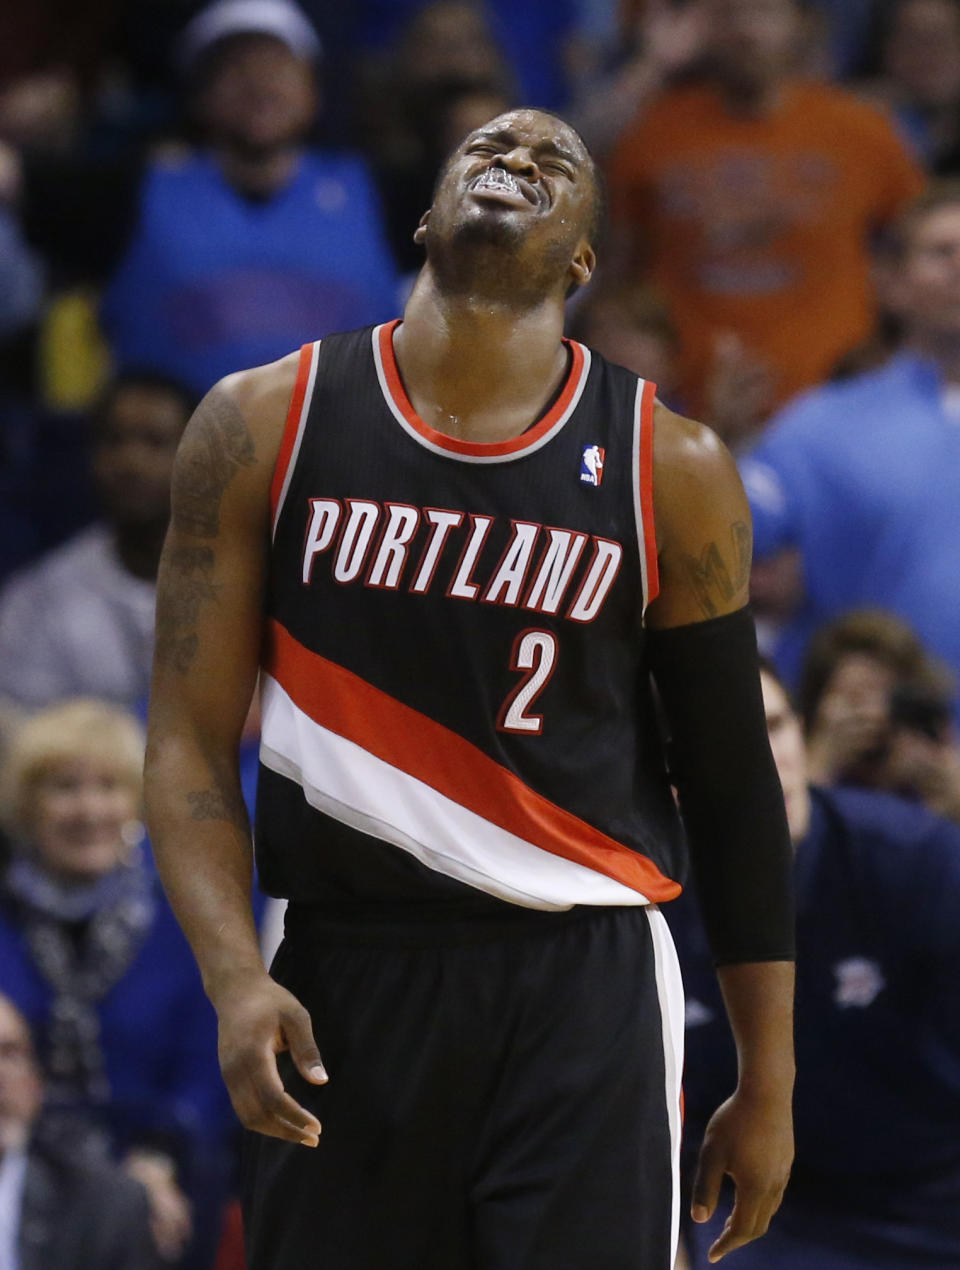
(716,576)
(216,447)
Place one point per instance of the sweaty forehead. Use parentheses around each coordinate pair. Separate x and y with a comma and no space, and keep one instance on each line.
(535,128)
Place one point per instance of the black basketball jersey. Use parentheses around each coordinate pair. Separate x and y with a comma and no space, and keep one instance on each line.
(455,700)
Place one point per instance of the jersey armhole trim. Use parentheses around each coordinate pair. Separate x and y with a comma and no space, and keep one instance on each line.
(293,431)
(643,489)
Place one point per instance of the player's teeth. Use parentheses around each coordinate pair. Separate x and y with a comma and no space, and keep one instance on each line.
(496,178)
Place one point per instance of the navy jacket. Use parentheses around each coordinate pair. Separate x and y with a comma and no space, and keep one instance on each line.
(878,1024)
(75,1218)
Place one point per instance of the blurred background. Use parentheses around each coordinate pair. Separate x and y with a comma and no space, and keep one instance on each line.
(189,189)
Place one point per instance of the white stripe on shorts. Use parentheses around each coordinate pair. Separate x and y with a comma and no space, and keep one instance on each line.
(670,995)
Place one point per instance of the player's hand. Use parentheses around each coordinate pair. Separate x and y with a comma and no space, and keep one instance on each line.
(259,1020)
(749,1138)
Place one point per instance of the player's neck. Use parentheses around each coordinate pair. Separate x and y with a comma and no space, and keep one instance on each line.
(475,369)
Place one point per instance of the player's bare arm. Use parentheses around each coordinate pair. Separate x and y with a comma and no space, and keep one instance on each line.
(704,536)
(704,542)
(209,603)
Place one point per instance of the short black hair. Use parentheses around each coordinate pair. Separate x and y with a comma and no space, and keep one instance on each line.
(143,378)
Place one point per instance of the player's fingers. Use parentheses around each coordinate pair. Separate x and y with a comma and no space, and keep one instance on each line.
(733,1236)
(720,1247)
(298,1034)
(276,1121)
(273,1127)
(260,1098)
(706,1184)
(748,1221)
(280,1106)
(252,1116)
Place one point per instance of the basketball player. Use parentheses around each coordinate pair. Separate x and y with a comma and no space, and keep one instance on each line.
(455,613)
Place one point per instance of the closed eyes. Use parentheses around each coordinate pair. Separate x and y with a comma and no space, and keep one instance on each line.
(546,165)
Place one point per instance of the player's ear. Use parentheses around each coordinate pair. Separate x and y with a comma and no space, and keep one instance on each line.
(420,233)
(583,264)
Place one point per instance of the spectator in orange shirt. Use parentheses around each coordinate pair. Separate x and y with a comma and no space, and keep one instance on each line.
(750,197)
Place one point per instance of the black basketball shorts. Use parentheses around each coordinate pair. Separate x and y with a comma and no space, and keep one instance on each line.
(503,1095)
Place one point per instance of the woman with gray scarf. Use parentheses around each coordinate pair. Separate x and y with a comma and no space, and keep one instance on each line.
(91,954)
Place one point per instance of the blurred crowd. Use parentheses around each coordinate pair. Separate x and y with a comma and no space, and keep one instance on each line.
(188,189)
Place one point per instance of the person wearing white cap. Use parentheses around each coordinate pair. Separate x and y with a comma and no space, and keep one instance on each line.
(279,18)
(252,242)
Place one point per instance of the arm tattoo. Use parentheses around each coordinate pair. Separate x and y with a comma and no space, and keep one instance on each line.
(186,584)
(217,446)
(219,802)
(713,583)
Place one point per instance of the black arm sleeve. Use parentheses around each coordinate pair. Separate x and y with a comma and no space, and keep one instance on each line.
(729,792)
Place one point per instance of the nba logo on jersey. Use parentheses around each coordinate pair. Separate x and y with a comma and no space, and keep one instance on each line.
(591,464)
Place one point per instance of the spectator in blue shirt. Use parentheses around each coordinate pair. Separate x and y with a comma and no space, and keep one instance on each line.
(861,479)
(251,243)
(876,1180)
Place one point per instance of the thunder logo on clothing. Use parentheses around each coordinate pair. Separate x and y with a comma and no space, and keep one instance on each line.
(388,545)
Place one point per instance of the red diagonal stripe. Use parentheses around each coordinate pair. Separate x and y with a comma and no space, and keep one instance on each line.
(344,703)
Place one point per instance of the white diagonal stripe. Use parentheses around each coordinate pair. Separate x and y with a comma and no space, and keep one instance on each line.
(348,783)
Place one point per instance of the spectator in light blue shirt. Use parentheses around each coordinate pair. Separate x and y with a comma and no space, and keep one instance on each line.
(861,479)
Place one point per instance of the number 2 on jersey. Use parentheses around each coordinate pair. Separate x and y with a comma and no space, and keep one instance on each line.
(535,653)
